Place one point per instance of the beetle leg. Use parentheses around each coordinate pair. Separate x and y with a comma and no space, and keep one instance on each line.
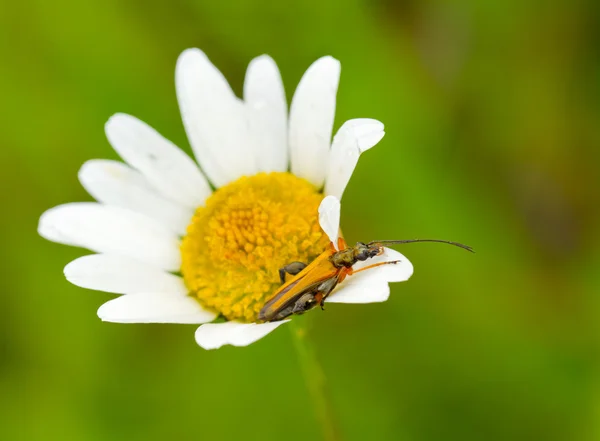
(304,303)
(389,262)
(324,289)
(292,269)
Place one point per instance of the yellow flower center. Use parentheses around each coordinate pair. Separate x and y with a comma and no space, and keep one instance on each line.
(247,230)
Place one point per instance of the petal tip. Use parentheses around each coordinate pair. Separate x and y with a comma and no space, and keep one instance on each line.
(68,269)
(191,52)
(215,335)
(264,58)
(330,60)
(103,311)
(46,228)
(116,119)
(327,68)
(329,218)
(188,57)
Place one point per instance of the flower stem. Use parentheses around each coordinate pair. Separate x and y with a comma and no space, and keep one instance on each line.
(315,379)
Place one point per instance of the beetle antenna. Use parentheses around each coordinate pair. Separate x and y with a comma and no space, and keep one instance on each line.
(398,242)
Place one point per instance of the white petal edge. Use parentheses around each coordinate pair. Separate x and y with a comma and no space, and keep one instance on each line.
(311,120)
(121,275)
(215,119)
(215,335)
(154,308)
(372,285)
(266,105)
(173,173)
(112,230)
(114,183)
(353,138)
(329,218)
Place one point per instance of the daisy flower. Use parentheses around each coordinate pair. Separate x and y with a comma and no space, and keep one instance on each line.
(188,243)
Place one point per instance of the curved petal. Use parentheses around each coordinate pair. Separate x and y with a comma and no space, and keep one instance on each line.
(215,335)
(399,272)
(372,285)
(154,308)
(311,120)
(214,118)
(114,183)
(354,137)
(329,218)
(112,230)
(163,164)
(267,112)
(121,275)
(349,292)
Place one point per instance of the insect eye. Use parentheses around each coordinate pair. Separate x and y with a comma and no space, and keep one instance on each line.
(363,255)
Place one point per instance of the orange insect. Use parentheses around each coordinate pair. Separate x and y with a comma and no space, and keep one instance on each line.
(312,283)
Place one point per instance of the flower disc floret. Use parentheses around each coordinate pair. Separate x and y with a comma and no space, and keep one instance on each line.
(246,231)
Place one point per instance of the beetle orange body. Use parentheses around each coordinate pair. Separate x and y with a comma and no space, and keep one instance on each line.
(311,284)
(320,270)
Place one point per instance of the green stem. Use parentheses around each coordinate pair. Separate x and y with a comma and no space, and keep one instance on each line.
(315,379)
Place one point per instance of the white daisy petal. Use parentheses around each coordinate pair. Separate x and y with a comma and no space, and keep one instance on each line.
(311,120)
(163,164)
(349,292)
(215,335)
(372,285)
(214,119)
(154,308)
(354,137)
(329,218)
(121,275)
(114,183)
(399,272)
(112,230)
(266,105)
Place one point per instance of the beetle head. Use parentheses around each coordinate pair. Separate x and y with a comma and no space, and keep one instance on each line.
(364,251)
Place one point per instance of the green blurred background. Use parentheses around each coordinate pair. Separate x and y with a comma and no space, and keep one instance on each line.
(492,118)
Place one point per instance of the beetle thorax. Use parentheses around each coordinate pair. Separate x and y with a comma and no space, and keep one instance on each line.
(349,256)
(344,258)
